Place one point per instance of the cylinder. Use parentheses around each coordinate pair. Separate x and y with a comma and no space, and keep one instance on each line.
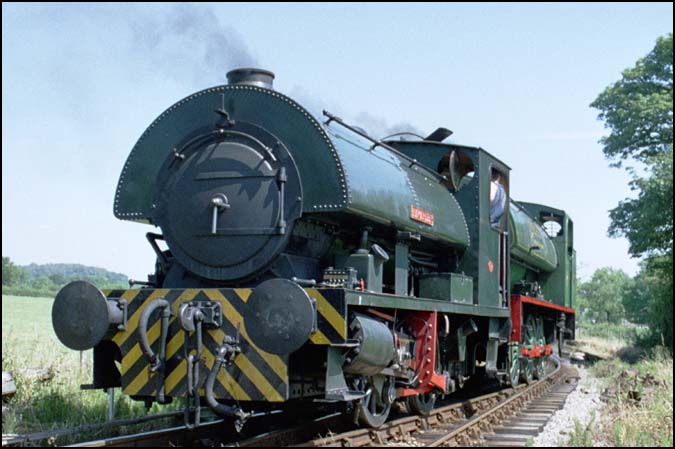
(376,349)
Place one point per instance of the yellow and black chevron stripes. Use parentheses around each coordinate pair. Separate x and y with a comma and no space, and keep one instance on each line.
(136,376)
(255,375)
(331,316)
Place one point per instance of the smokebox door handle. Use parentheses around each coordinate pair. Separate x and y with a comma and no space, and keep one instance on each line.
(219,203)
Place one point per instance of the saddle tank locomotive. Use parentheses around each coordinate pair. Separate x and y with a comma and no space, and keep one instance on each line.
(302,261)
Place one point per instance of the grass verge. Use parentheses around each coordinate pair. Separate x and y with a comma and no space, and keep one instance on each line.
(639,403)
(29,343)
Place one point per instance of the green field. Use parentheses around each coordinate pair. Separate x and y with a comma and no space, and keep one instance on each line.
(29,342)
(27,324)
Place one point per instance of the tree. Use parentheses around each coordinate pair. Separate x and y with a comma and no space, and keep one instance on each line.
(638,110)
(58,279)
(647,221)
(42,284)
(11,274)
(637,300)
(601,298)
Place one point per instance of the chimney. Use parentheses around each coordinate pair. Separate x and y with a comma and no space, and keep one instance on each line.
(251,77)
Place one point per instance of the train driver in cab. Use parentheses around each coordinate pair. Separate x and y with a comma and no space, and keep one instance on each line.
(497,199)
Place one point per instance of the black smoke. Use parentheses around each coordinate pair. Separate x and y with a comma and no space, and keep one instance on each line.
(190,43)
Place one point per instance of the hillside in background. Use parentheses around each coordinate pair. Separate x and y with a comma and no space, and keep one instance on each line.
(61,271)
(47,279)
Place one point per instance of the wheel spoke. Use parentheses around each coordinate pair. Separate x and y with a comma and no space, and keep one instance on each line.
(372,410)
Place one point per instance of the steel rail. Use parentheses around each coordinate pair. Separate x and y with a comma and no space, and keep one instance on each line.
(461,414)
(155,438)
(19,440)
(408,424)
(475,421)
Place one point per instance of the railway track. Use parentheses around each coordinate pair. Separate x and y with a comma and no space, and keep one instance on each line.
(530,421)
(212,433)
(219,433)
(505,418)
(173,436)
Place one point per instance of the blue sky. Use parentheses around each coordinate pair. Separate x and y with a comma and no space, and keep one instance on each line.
(80,83)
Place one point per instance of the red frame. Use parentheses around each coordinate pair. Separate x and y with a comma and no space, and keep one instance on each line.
(517,302)
(424,329)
